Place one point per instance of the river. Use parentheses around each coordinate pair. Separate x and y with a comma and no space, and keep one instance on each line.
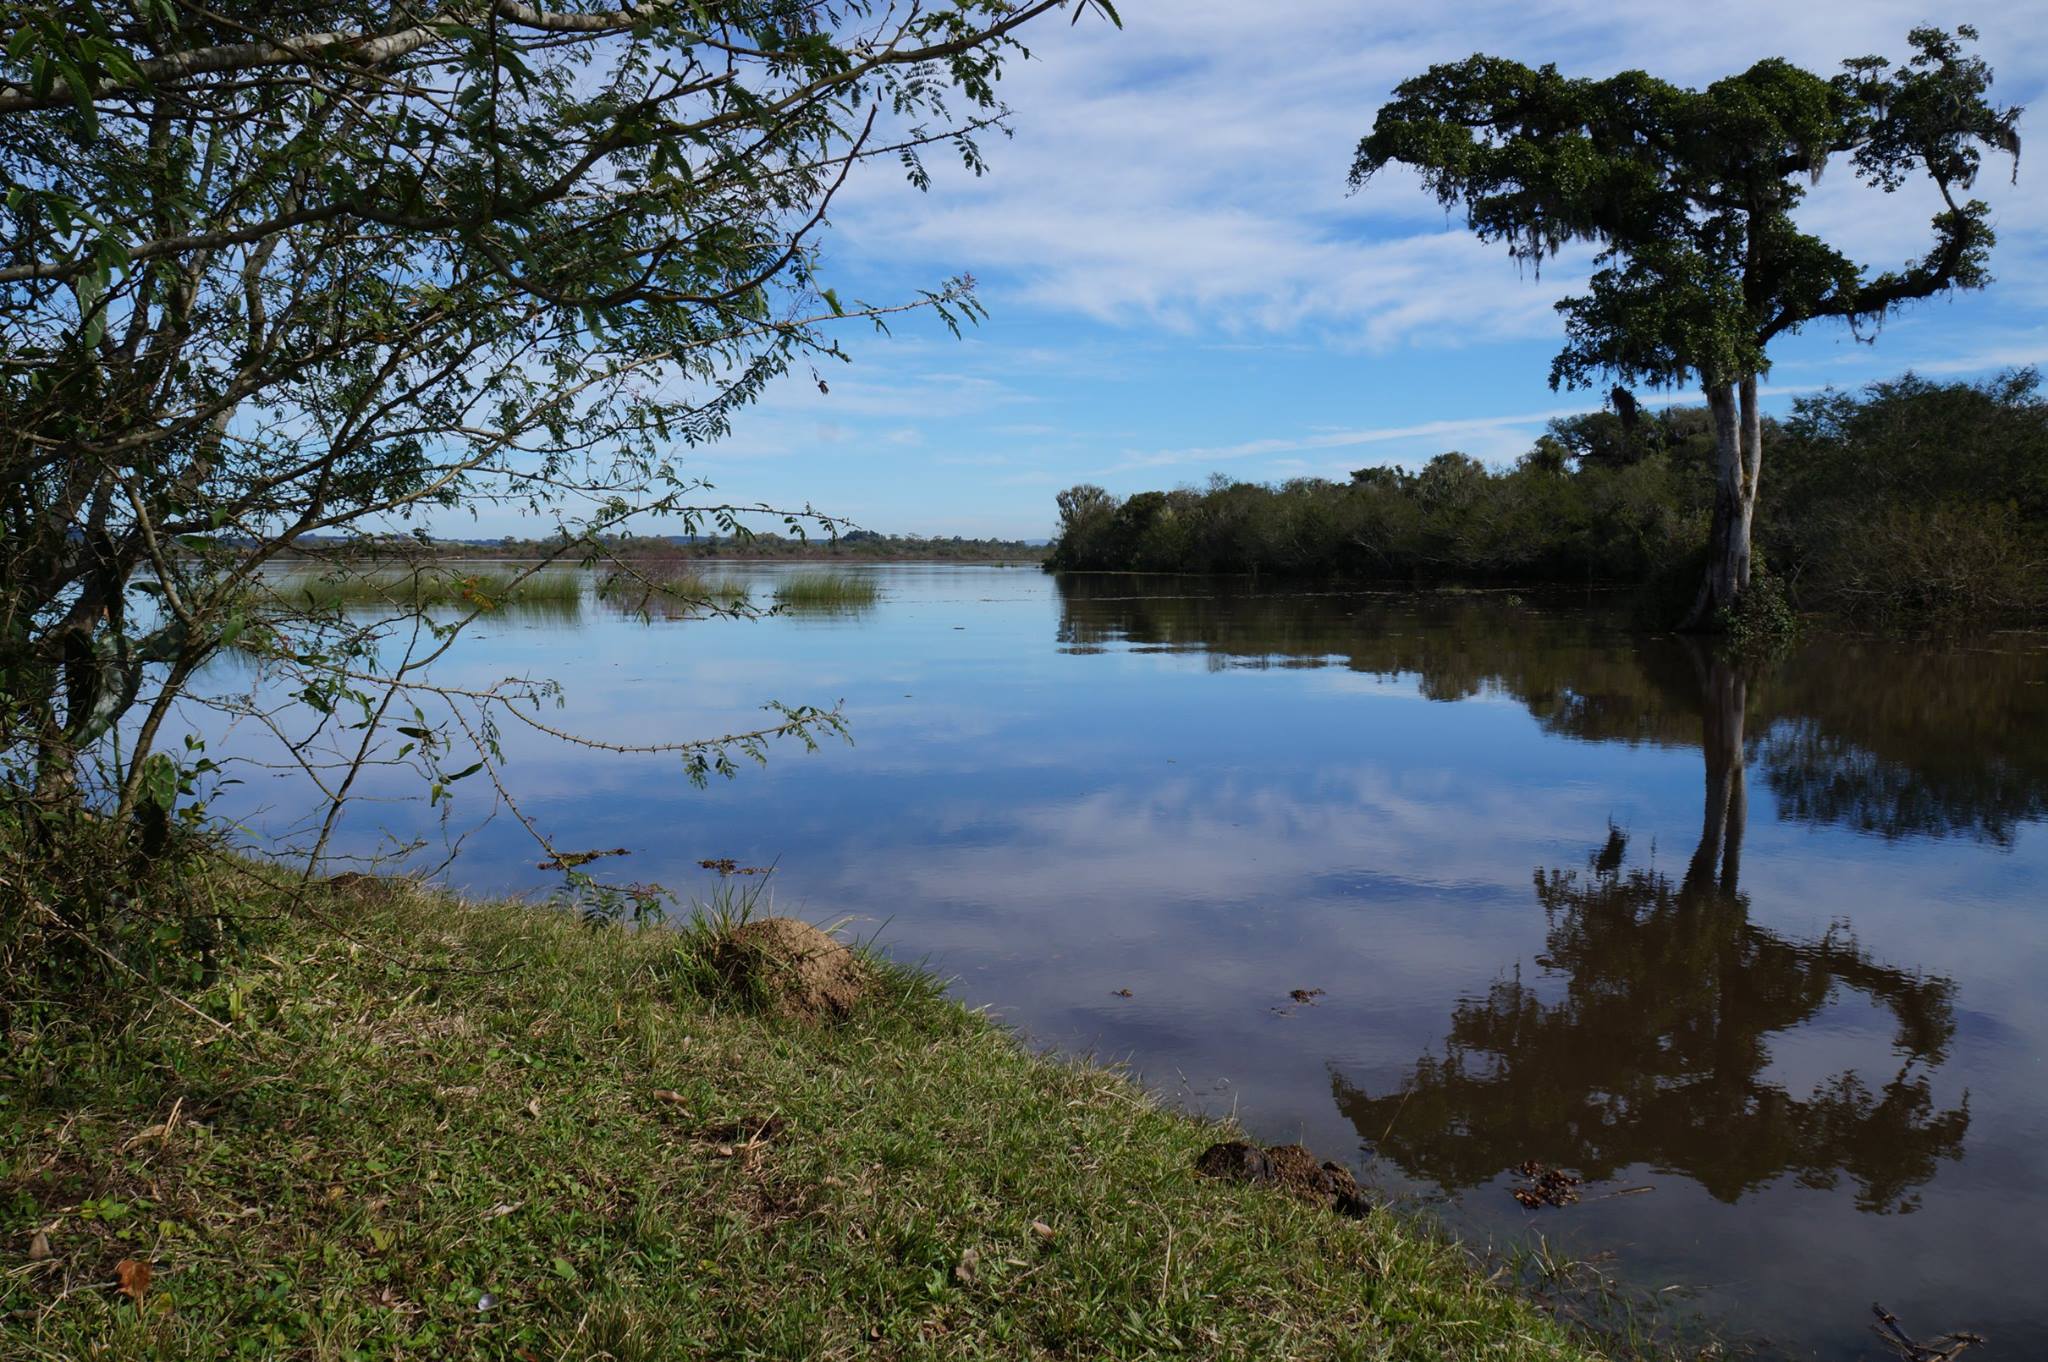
(1767,940)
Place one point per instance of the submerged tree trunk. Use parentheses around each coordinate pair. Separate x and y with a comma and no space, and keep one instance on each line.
(1738,464)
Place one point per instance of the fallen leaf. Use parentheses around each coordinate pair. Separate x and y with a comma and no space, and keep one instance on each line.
(1041,1229)
(133,1275)
(670,1096)
(39,1247)
(533,1108)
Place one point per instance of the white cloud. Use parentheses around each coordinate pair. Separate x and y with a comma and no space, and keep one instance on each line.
(1180,280)
(1446,434)
(1188,172)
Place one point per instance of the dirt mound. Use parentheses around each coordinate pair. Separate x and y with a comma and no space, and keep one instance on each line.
(791,968)
(355,887)
(1288,1168)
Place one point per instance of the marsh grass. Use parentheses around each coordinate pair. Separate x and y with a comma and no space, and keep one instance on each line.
(1631,1322)
(826,593)
(672,592)
(450,1129)
(456,585)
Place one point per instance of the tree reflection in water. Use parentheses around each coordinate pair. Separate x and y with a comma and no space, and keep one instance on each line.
(1898,740)
(1657,1051)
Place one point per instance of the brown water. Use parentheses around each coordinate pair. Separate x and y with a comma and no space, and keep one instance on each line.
(1766,939)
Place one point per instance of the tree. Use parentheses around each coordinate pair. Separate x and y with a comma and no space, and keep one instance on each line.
(318,267)
(1689,196)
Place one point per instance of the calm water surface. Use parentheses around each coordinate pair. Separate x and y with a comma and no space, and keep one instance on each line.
(1770,943)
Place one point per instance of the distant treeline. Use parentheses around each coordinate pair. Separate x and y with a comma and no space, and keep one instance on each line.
(1909,500)
(855,545)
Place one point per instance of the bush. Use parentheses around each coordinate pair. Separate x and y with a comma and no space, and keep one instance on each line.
(1945,564)
(91,907)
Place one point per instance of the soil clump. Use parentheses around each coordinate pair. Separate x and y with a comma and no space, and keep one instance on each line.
(1288,1168)
(791,969)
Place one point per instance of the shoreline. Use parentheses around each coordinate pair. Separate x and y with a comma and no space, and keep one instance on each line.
(401,1119)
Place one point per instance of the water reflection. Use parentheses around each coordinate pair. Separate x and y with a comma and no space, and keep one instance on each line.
(1891,739)
(1657,1052)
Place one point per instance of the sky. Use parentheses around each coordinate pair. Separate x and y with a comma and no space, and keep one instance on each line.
(1179,281)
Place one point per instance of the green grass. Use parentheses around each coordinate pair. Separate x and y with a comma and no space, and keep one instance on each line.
(367,1132)
(826,592)
(439,585)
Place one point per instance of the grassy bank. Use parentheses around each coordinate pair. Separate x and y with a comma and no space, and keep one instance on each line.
(371,1131)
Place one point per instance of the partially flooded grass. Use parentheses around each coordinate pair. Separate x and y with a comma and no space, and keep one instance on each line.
(490,1131)
(1632,1322)
(826,593)
(674,592)
(440,585)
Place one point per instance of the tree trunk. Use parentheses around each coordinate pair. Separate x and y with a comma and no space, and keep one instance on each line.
(1738,464)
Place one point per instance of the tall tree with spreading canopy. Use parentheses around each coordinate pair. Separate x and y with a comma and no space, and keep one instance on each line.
(322,267)
(1689,196)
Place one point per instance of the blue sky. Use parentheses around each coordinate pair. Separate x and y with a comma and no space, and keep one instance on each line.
(1179,282)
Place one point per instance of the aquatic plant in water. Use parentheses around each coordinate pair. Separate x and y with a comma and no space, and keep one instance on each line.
(826,593)
(480,588)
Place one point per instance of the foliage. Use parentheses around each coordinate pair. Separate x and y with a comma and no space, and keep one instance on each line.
(1762,618)
(1689,197)
(1917,501)
(537,1144)
(1451,520)
(91,911)
(1911,501)
(1690,194)
(322,268)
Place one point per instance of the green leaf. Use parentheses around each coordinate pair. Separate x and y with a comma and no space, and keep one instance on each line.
(159,783)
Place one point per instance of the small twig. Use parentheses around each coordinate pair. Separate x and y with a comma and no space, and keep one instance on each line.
(1619,1191)
(1942,1349)
(1395,1117)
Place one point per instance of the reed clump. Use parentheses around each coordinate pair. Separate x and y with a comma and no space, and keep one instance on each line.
(826,592)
